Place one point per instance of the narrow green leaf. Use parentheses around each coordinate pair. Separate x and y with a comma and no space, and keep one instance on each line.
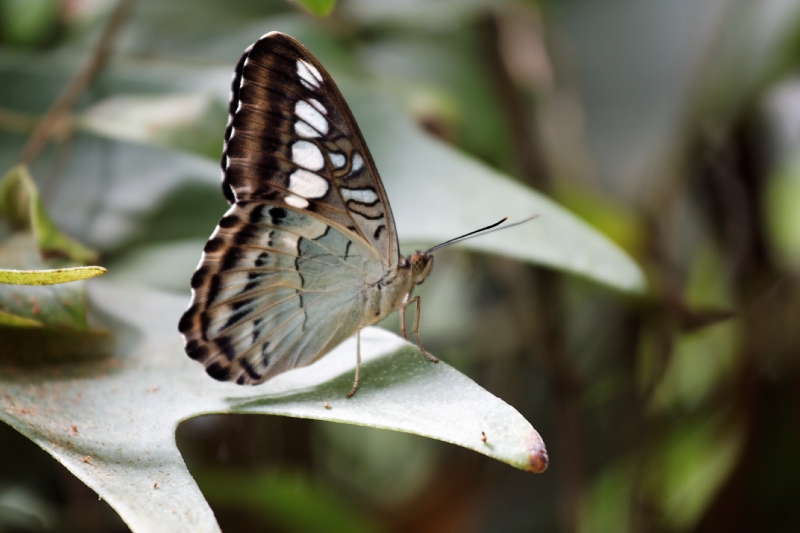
(290,500)
(49,277)
(689,466)
(782,212)
(15,321)
(21,206)
(55,306)
(320,8)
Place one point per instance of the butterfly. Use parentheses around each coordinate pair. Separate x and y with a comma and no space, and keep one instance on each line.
(307,254)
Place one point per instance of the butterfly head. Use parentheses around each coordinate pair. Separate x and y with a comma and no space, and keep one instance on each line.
(420,264)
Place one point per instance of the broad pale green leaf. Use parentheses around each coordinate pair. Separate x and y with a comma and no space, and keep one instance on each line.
(186,121)
(49,277)
(112,422)
(438,193)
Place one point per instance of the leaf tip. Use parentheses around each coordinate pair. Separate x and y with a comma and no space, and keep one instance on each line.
(96,271)
(537,453)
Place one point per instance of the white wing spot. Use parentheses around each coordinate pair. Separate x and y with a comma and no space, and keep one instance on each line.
(304,130)
(308,73)
(320,107)
(296,201)
(364,196)
(307,184)
(311,116)
(307,154)
(337,160)
(357,162)
(314,71)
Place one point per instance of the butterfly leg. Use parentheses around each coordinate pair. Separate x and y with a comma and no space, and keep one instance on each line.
(358,363)
(403,322)
(415,331)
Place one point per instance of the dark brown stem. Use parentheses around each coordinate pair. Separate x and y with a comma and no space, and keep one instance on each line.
(77,85)
(563,376)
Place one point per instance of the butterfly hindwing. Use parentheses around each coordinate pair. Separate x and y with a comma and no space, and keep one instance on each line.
(276,288)
(292,140)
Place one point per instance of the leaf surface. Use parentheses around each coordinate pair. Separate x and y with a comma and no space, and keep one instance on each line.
(111,422)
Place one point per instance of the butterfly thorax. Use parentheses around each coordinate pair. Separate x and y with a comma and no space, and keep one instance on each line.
(394,289)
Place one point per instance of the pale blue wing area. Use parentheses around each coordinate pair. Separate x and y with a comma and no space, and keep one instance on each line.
(275,289)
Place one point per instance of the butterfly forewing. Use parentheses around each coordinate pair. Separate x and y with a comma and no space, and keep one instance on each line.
(292,140)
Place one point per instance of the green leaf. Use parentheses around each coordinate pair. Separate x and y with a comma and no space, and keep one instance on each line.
(704,360)
(28,21)
(689,465)
(320,8)
(289,500)
(106,421)
(607,506)
(782,211)
(16,321)
(21,206)
(185,121)
(49,277)
(438,193)
(21,256)
(54,306)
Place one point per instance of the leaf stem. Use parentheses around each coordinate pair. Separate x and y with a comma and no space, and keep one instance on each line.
(77,85)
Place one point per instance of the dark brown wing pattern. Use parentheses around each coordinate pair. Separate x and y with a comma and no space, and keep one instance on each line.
(292,140)
(281,281)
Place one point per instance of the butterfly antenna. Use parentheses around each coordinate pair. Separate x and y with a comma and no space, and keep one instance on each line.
(482,230)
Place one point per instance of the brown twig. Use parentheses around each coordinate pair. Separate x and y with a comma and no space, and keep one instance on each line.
(77,85)
(562,375)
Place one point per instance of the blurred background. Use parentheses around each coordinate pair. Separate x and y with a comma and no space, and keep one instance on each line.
(671,127)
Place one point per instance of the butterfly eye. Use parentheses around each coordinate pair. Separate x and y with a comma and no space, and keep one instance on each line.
(421,264)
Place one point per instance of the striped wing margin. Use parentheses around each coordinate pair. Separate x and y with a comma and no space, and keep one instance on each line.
(292,140)
(275,289)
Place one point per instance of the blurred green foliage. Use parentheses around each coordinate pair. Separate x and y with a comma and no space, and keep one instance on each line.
(670,127)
